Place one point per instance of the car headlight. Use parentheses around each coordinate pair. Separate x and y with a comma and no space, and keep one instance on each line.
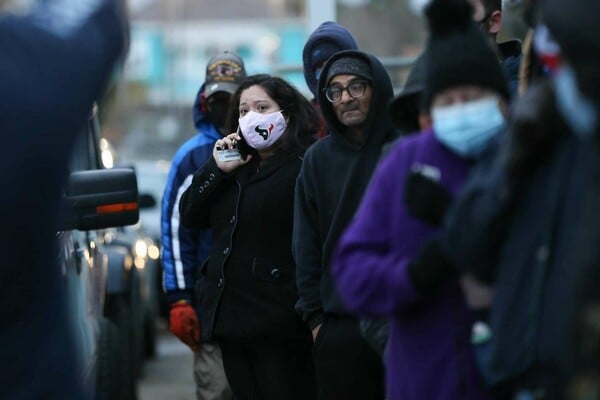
(141,248)
(153,252)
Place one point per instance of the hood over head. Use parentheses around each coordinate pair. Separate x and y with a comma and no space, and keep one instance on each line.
(405,107)
(326,40)
(378,123)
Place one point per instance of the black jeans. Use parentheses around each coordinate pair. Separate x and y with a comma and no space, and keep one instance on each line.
(269,370)
(347,367)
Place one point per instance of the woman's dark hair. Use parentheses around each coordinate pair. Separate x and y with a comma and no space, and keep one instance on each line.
(303,120)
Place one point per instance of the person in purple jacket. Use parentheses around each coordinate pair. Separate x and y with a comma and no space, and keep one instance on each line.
(382,265)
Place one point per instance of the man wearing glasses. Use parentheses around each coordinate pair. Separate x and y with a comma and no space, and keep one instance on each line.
(488,14)
(354,90)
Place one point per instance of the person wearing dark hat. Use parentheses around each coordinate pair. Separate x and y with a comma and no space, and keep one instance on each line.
(409,117)
(545,260)
(382,263)
(184,250)
(354,90)
(325,41)
(406,108)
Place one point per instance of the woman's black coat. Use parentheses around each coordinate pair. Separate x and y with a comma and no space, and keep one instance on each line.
(249,289)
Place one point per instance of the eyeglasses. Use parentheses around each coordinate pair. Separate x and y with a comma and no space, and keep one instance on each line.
(355,90)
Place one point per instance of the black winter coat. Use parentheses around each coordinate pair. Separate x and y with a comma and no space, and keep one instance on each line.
(334,176)
(249,287)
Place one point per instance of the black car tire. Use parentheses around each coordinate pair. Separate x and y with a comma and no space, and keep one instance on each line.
(137,325)
(118,310)
(108,362)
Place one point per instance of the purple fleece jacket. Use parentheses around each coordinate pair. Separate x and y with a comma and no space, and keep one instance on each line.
(429,354)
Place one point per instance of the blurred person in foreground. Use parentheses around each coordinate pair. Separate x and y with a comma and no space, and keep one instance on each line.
(325,41)
(54,64)
(247,303)
(184,249)
(381,263)
(354,91)
(528,224)
(409,117)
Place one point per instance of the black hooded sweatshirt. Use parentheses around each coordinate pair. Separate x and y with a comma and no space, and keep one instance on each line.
(334,176)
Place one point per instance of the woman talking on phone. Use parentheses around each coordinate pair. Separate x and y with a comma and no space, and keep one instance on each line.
(245,195)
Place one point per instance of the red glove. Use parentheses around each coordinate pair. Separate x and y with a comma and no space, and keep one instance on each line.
(184,324)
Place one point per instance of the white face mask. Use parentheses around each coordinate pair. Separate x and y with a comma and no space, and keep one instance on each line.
(262,130)
(467,128)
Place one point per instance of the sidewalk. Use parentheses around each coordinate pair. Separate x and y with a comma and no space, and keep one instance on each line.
(170,374)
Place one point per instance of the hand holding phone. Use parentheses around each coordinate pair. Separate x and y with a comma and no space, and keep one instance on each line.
(227,153)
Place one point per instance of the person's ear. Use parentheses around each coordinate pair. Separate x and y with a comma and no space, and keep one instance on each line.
(495,23)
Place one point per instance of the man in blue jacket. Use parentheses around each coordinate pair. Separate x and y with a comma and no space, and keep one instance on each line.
(184,250)
(53,65)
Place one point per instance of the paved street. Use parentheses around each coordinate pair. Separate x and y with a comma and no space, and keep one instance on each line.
(169,375)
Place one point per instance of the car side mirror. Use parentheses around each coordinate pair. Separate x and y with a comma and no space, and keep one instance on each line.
(99,199)
(147,200)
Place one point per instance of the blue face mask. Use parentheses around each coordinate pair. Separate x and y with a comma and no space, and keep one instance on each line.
(467,128)
(577,111)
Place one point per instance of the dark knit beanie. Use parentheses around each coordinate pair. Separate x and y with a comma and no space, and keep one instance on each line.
(350,66)
(458,52)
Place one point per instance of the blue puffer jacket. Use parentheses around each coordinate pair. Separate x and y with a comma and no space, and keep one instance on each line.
(184,250)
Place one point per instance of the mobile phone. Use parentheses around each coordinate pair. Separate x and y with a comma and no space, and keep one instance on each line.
(242,146)
(237,151)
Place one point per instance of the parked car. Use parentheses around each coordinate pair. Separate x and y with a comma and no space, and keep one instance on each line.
(94,200)
(152,179)
(131,293)
(133,267)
